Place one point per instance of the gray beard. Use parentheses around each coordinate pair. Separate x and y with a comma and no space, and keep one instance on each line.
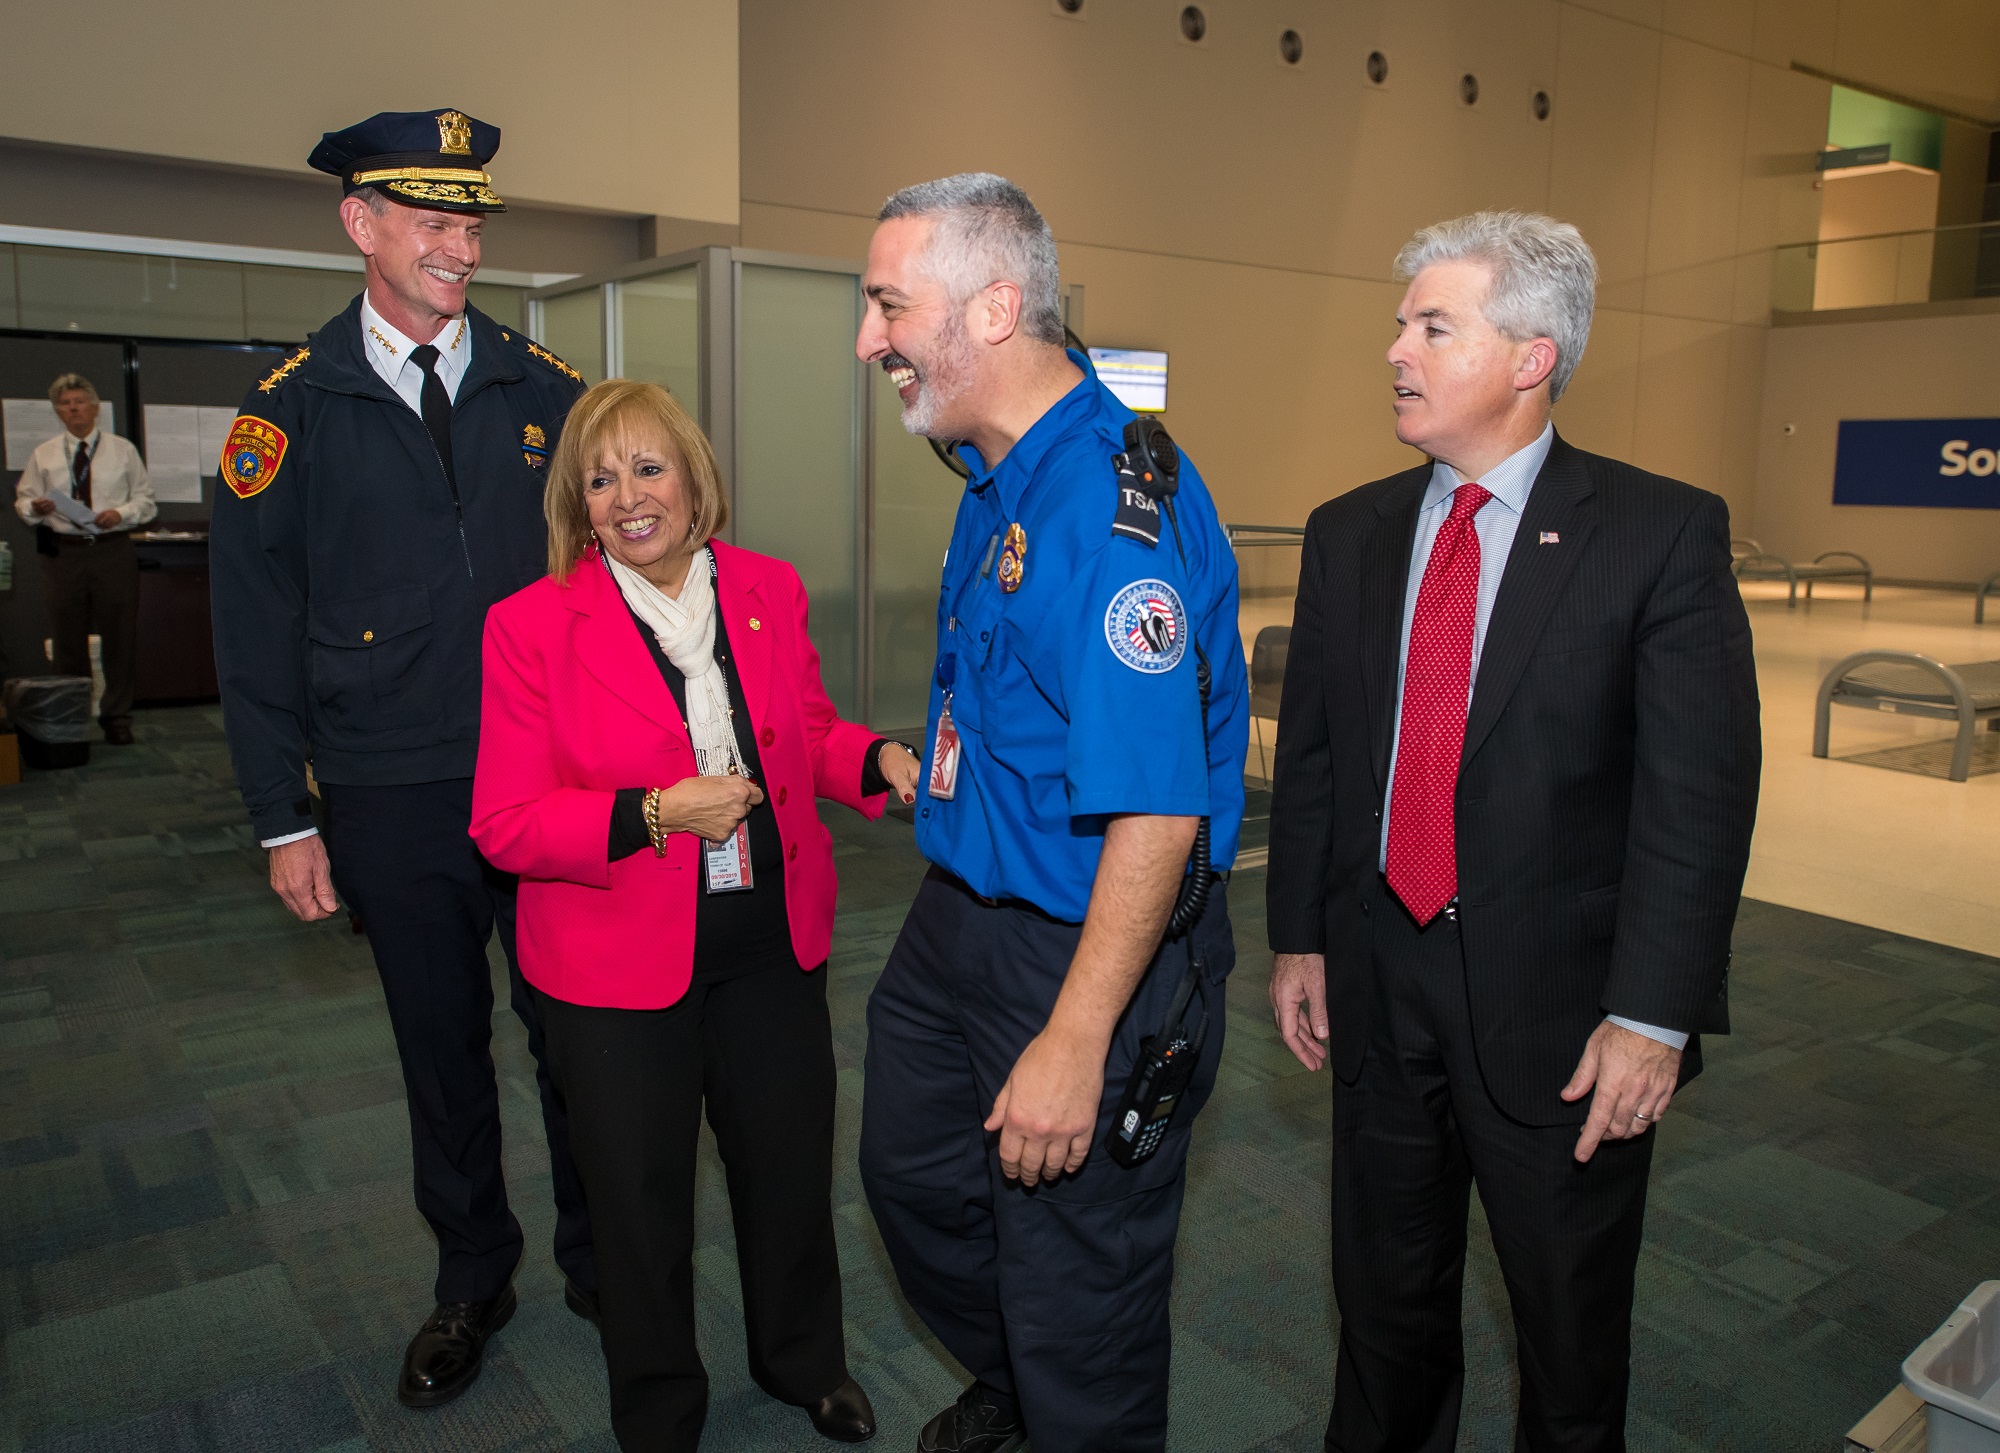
(941,379)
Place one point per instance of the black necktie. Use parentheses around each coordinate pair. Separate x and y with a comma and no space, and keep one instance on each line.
(79,473)
(437,409)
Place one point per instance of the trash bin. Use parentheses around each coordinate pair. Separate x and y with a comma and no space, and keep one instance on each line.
(51,715)
(1954,1370)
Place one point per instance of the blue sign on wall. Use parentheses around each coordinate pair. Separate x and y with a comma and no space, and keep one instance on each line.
(1949,464)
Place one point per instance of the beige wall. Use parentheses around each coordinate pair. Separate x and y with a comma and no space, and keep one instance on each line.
(619,105)
(1913,368)
(1243,215)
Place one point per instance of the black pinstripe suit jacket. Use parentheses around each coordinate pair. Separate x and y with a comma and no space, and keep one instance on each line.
(1609,781)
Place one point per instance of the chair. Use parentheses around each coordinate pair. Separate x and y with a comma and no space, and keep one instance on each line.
(1910,684)
(1750,561)
(1267,681)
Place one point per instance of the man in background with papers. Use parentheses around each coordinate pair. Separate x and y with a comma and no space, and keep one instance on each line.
(84,491)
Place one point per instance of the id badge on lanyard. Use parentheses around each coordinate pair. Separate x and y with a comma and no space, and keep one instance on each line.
(945,753)
(725,866)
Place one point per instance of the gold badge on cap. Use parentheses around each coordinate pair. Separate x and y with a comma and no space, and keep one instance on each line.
(1013,558)
(454,133)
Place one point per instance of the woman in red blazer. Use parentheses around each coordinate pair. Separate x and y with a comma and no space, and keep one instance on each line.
(654,736)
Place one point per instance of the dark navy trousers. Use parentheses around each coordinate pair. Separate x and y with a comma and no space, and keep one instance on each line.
(1057,1296)
(404,861)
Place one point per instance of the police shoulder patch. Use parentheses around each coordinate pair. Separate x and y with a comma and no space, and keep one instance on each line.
(251,455)
(1146,626)
(283,371)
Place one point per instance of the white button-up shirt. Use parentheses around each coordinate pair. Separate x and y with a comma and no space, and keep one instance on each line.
(389,354)
(118,480)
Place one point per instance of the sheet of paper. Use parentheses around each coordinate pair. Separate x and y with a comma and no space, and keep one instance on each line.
(214,434)
(75,511)
(173,452)
(27,422)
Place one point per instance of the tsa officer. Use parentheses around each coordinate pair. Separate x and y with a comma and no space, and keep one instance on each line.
(384,487)
(1067,771)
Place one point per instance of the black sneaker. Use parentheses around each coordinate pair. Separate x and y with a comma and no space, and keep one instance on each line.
(974,1424)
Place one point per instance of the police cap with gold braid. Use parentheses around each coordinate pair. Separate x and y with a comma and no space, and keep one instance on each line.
(430,159)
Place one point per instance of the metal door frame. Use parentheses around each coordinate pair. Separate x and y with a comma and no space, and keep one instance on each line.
(719,291)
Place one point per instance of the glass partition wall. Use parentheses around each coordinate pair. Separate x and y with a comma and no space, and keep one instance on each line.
(94,290)
(760,348)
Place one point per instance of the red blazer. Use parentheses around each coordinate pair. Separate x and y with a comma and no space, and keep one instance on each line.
(574,709)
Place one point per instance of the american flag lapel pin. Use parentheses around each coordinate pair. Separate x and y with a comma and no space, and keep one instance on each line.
(1550,537)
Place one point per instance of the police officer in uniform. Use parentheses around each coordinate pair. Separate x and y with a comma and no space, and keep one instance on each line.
(383,488)
(1066,771)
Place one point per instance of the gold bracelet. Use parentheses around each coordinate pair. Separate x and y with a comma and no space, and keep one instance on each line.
(652,815)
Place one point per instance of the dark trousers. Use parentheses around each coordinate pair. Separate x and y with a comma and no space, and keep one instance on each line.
(757,1049)
(1055,1297)
(93,585)
(403,860)
(1410,1138)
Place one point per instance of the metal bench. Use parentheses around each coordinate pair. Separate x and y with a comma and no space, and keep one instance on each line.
(1911,684)
(1750,561)
(1986,587)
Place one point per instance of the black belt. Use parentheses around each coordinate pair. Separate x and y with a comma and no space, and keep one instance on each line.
(104,539)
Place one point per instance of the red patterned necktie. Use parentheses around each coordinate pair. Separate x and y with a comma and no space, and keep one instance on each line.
(1437,682)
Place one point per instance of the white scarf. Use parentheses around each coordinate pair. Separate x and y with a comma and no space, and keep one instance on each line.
(685,629)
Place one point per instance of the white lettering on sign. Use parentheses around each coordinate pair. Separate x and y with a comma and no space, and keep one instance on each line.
(1957,461)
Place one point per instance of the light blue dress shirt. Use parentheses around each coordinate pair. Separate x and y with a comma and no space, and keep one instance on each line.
(1509,482)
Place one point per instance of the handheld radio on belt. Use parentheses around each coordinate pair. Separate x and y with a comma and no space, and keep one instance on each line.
(1148,476)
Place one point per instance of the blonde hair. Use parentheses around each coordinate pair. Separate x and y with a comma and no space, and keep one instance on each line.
(614,409)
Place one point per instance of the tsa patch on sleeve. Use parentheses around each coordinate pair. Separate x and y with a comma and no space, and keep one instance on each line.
(252,454)
(1146,626)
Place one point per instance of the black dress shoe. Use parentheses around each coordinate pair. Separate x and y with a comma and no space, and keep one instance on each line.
(445,1356)
(976,1423)
(844,1414)
(583,1303)
(118,733)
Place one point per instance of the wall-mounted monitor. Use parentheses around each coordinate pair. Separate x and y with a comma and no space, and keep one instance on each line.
(1137,377)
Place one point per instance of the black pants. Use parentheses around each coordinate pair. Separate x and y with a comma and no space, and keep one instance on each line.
(1410,1137)
(757,1049)
(1057,1296)
(402,858)
(93,585)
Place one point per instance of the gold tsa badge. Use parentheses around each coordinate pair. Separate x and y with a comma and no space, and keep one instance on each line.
(534,446)
(454,133)
(1013,558)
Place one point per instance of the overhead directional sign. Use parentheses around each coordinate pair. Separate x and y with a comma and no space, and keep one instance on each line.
(1833,161)
(1949,464)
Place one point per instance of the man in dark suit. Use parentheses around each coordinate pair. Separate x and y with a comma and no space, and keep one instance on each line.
(1516,777)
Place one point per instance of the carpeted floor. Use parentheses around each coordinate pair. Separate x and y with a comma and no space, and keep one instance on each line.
(208,1242)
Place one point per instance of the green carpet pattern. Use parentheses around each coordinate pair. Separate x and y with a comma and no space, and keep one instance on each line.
(208,1242)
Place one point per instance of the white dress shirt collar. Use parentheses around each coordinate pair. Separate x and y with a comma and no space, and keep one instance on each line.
(70,441)
(389,350)
(1509,481)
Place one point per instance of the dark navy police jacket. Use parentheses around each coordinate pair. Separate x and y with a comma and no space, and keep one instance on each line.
(349,588)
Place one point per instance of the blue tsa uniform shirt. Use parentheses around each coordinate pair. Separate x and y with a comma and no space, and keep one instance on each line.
(1065,666)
